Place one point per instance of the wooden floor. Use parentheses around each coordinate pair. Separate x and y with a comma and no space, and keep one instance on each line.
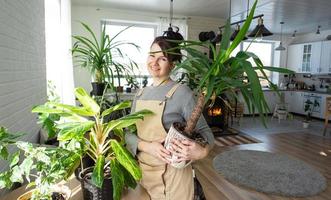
(312,149)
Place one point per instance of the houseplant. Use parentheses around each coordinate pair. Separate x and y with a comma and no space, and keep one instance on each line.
(224,73)
(82,130)
(101,57)
(308,108)
(42,167)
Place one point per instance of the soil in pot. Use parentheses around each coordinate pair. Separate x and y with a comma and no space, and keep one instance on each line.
(92,192)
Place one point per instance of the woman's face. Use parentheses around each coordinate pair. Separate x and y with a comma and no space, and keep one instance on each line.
(158,65)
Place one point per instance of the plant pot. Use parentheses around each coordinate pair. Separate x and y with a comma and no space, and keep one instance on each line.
(175,133)
(87,162)
(305,124)
(119,89)
(92,192)
(60,193)
(98,88)
(128,90)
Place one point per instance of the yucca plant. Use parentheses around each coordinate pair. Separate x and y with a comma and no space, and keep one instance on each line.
(224,73)
(102,58)
(102,141)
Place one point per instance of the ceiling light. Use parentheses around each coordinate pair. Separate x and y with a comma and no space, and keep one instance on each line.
(235,33)
(318,29)
(260,30)
(294,33)
(170,32)
(280,47)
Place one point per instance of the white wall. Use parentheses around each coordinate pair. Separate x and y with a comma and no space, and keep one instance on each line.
(92,17)
(22,65)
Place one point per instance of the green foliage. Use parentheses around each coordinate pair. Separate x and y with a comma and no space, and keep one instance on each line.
(45,165)
(84,130)
(101,57)
(227,74)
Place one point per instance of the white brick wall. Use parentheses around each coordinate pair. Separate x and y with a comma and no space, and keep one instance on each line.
(22,64)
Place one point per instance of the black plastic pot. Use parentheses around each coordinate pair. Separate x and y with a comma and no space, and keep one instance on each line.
(98,88)
(92,192)
(87,162)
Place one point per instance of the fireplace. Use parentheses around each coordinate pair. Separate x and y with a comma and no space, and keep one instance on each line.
(217,116)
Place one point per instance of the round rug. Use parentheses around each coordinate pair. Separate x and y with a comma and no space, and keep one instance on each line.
(270,173)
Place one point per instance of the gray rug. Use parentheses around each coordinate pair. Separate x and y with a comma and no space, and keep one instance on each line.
(270,173)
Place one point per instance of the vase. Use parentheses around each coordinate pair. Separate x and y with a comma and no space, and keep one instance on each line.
(174,133)
(92,192)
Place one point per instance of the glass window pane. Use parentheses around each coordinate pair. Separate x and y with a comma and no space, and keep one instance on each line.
(309,48)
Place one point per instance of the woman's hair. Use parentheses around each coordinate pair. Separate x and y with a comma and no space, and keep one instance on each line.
(169,46)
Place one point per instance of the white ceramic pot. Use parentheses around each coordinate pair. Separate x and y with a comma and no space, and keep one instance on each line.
(305,124)
(174,134)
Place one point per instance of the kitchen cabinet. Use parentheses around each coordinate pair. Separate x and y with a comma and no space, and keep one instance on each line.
(305,58)
(294,57)
(295,101)
(325,66)
(272,99)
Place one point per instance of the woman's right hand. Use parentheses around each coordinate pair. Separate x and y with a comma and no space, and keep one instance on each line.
(155,149)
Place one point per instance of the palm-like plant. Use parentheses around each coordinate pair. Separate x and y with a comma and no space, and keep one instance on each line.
(101,58)
(226,73)
(101,141)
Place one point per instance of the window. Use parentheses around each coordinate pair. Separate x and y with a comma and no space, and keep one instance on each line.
(264,50)
(140,34)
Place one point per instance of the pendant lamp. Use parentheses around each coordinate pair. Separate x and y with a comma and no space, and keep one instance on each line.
(280,47)
(260,30)
(170,32)
(235,33)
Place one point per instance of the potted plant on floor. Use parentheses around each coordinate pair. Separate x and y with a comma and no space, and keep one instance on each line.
(42,167)
(308,108)
(223,73)
(102,57)
(83,131)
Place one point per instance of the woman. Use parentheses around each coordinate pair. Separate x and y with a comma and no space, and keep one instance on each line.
(170,102)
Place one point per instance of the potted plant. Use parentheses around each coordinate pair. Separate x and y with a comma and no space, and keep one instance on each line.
(84,131)
(42,167)
(102,57)
(223,73)
(132,84)
(308,108)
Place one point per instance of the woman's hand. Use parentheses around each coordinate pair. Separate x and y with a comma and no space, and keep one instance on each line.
(188,150)
(155,149)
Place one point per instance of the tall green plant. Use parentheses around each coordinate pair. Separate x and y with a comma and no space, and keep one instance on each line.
(101,57)
(225,73)
(102,141)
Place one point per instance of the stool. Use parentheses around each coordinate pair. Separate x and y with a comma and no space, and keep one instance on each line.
(280,111)
(327,114)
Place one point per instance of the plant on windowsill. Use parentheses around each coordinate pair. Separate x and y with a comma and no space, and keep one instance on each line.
(221,74)
(83,130)
(102,57)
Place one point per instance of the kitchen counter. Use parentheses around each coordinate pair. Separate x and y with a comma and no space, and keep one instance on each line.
(308,91)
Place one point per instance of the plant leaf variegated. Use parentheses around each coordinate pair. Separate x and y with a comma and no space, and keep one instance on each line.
(102,141)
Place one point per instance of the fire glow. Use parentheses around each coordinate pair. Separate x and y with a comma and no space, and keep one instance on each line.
(214,112)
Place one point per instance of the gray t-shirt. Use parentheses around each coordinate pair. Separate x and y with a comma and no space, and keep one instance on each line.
(177,109)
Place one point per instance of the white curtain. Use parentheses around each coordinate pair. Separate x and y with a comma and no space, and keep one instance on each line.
(59,68)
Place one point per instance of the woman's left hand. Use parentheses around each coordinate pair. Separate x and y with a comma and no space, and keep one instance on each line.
(188,150)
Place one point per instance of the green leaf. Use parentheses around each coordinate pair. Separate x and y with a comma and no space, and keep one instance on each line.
(73,109)
(75,130)
(120,106)
(128,179)
(27,166)
(98,171)
(117,179)
(126,159)
(4,152)
(14,159)
(16,175)
(278,69)
(87,101)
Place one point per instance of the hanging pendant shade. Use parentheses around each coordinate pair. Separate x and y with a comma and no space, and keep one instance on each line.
(260,30)
(235,33)
(281,47)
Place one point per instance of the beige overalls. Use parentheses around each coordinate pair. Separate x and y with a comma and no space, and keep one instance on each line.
(161,181)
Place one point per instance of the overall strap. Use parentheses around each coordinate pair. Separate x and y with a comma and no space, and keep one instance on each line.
(172,91)
(139,93)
